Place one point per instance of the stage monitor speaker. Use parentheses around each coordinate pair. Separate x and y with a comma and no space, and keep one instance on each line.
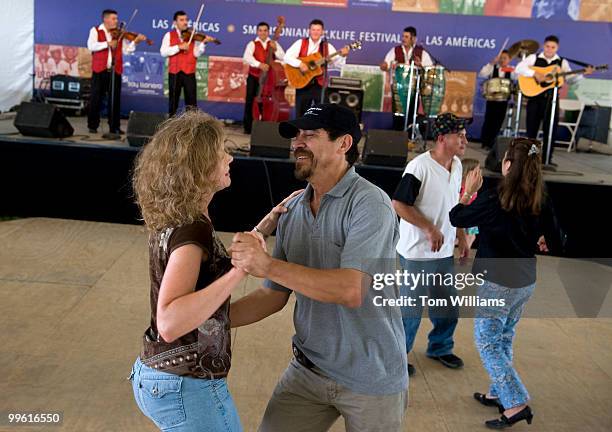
(142,126)
(42,120)
(385,147)
(496,154)
(346,92)
(267,142)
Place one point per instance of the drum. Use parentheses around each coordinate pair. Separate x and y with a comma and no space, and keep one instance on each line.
(497,89)
(433,87)
(399,87)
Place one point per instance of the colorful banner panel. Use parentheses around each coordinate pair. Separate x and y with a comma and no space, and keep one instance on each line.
(429,6)
(460,89)
(227,79)
(373,82)
(508,8)
(143,74)
(462,7)
(596,10)
(52,60)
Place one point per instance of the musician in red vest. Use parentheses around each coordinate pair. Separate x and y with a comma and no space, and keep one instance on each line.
(182,58)
(103,48)
(311,94)
(402,55)
(255,55)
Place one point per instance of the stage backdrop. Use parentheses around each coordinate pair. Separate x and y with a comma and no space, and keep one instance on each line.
(462,34)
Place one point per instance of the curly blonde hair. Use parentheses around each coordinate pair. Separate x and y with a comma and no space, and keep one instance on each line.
(173,172)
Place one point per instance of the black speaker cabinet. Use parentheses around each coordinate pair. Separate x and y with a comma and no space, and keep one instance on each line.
(496,154)
(267,142)
(69,87)
(346,95)
(385,147)
(42,120)
(142,126)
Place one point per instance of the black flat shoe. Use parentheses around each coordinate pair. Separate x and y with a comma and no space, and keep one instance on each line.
(505,422)
(483,399)
(411,369)
(449,360)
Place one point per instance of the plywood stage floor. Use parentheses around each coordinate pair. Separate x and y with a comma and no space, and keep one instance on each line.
(75,303)
(574,167)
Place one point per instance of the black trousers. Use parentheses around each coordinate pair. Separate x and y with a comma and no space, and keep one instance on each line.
(494,119)
(176,83)
(252,85)
(306,97)
(100,88)
(538,111)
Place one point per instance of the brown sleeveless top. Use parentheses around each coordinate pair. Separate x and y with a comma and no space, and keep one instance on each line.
(204,352)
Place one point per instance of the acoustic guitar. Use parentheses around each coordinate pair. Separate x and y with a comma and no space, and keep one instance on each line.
(530,87)
(314,61)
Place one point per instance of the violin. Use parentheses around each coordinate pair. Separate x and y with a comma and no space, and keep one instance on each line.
(127,35)
(199,37)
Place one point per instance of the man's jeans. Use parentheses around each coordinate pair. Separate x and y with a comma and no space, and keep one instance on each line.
(444,319)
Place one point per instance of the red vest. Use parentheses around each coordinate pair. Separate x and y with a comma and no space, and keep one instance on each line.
(99,59)
(260,55)
(322,49)
(417,53)
(183,61)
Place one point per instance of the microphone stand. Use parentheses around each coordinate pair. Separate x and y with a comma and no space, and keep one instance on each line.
(325,69)
(551,127)
(112,135)
(111,111)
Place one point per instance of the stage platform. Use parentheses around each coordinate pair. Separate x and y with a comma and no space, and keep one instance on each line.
(76,302)
(86,177)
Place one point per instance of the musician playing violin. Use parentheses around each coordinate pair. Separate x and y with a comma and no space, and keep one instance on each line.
(255,55)
(105,44)
(182,57)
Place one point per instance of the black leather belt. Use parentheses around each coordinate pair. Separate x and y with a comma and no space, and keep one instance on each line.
(301,358)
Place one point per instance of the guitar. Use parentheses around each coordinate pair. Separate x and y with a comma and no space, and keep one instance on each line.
(299,79)
(530,87)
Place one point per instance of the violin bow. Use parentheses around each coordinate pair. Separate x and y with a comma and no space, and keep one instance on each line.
(124,27)
(193,32)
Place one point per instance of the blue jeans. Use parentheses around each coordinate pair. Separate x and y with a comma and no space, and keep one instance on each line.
(494,329)
(444,320)
(183,404)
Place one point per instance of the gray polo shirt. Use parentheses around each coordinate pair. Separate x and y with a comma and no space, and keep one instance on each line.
(356,228)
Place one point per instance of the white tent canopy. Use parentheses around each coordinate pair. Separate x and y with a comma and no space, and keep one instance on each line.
(16,52)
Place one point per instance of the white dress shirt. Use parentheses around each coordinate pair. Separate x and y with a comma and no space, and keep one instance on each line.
(166,50)
(390,57)
(524,67)
(292,54)
(487,72)
(249,59)
(94,45)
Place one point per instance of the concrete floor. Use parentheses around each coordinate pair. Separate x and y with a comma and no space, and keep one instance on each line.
(75,303)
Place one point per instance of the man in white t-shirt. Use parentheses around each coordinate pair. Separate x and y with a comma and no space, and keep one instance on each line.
(429,189)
